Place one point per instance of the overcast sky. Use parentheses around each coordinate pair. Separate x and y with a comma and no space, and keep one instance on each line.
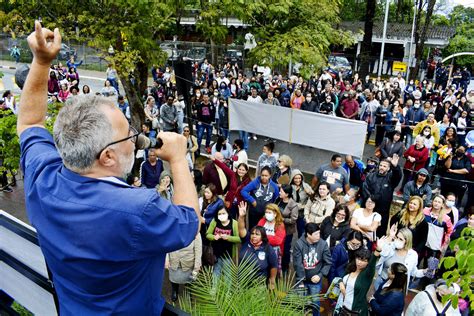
(466,3)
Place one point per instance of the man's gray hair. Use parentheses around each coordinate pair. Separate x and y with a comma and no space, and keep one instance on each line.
(82,130)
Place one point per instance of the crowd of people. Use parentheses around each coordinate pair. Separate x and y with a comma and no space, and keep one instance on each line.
(338,229)
(338,225)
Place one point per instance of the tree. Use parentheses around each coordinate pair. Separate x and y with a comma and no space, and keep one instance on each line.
(420,35)
(463,19)
(366,46)
(295,31)
(132,27)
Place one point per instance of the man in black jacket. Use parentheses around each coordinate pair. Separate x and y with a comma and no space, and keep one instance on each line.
(309,104)
(379,186)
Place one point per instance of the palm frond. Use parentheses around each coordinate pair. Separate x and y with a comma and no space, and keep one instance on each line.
(240,291)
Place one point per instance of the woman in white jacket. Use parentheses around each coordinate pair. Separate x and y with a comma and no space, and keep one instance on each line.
(399,250)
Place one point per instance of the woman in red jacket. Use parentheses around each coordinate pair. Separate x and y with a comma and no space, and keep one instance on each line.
(237,181)
(416,157)
(275,229)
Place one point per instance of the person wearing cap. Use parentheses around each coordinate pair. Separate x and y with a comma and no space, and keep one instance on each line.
(104,241)
(430,301)
(419,186)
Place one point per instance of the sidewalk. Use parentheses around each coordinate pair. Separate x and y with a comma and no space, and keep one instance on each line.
(89,74)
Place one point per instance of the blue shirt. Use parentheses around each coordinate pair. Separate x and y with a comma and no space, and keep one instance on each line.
(104,241)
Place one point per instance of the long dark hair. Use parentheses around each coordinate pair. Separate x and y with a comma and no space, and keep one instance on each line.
(399,282)
(220,142)
(337,209)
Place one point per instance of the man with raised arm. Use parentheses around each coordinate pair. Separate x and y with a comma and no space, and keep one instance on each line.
(104,241)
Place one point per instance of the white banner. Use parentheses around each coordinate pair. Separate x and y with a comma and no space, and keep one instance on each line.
(300,127)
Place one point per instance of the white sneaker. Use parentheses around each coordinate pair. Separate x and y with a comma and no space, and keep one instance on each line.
(254,137)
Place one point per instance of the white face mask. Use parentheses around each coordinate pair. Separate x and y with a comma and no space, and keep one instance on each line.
(426,133)
(347,198)
(269,217)
(450,203)
(339,220)
(416,105)
(398,244)
(308,99)
(223,217)
(198,95)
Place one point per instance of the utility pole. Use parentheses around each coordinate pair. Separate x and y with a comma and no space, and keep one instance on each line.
(379,70)
(411,41)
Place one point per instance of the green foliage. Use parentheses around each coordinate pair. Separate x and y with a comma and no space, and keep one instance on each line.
(239,291)
(461,266)
(463,19)
(9,143)
(297,31)
(21,310)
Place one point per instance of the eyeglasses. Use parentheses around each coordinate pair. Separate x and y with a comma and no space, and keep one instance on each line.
(340,215)
(186,131)
(133,136)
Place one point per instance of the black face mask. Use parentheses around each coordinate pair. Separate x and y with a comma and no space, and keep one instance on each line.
(459,154)
(439,297)
(235,147)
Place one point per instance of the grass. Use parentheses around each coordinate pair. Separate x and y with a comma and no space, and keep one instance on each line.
(17,307)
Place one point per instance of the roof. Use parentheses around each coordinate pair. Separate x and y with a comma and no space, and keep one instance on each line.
(399,30)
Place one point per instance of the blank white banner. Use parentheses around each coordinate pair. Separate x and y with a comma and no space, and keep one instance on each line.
(300,127)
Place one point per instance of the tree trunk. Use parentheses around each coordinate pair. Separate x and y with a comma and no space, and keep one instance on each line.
(137,112)
(366,46)
(420,42)
(399,9)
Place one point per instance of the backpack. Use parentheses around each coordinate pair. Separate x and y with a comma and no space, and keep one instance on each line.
(438,313)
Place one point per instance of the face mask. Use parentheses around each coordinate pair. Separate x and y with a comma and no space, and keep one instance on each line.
(439,297)
(269,217)
(308,99)
(223,217)
(370,167)
(216,93)
(426,133)
(459,154)
(450,203)
(198,95)
(398,244)
(347,198)
(339,220)
(416,105)
(351,247)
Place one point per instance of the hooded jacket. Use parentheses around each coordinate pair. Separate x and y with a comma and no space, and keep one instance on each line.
(411,189)
(302,194)
(311,259)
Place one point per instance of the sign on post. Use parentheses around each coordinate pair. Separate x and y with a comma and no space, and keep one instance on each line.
(399,66)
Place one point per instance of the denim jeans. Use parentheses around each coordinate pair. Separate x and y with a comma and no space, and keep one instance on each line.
(285,260)
(200,133)
(300,223)
(114,83)
(244,136)
(224,132)
(180,119)
(314,289)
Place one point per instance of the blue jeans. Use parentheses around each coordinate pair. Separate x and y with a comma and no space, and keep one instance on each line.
(224,132)
(314,289)
(200,133)
(300,223)
(285,260)
(180,119)
(114,83)
(244,136)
